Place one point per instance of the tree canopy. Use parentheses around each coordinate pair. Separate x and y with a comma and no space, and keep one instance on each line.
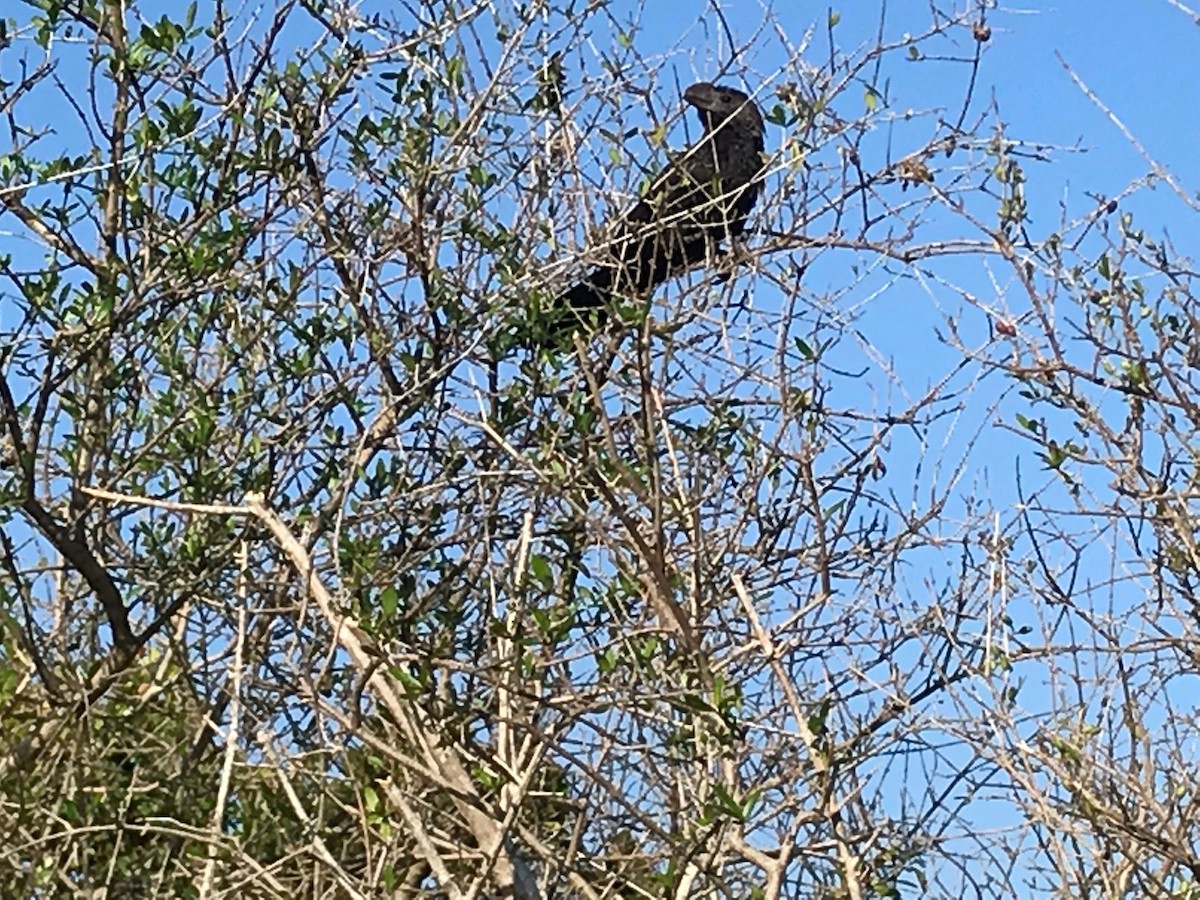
(856,564)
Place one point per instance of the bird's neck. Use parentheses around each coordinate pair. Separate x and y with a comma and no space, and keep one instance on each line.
(729,135)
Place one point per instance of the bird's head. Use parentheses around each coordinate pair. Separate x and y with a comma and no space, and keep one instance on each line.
(716,103)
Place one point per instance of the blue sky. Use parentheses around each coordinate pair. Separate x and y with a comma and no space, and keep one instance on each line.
(1138,56)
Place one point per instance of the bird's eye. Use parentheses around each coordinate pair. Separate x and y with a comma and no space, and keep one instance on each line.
(725,98)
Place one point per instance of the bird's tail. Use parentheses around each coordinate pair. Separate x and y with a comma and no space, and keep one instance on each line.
(591,293)
(584,307)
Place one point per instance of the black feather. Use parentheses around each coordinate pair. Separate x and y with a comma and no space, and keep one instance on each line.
(701,199)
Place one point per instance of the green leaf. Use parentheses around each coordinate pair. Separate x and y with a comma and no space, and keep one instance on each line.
(389,600)
(1054,456)
(370,798)
(454,71)
(413,687)
(540,569)
(749,803)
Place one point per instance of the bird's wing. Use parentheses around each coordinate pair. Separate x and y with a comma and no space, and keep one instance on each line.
(680,196)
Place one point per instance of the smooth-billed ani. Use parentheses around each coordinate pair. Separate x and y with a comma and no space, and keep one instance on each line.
(701,199)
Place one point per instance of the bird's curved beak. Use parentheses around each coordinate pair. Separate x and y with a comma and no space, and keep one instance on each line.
(699,95)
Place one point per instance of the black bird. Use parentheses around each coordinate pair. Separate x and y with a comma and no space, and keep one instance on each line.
(701,199)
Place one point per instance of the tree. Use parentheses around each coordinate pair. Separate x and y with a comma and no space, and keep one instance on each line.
(320,581)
